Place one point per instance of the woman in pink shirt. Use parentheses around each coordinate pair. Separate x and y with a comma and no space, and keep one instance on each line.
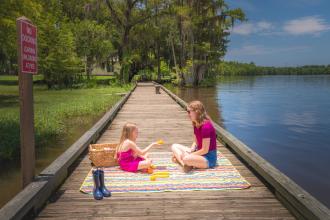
(203,151)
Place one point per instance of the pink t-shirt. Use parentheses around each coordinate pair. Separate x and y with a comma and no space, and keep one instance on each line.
(206,130)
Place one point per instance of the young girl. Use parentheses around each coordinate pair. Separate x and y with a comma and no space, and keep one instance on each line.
(130,157)
(203,151)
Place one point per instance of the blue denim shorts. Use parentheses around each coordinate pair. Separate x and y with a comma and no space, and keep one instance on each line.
(211,158)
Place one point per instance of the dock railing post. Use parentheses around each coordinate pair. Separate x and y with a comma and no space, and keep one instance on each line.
(157,87)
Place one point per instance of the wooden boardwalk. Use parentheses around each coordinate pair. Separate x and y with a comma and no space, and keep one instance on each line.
(158,116)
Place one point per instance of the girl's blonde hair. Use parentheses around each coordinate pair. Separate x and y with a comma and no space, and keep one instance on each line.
(125,134)
(199,108)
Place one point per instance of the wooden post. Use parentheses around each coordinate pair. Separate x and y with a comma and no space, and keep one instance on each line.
(27,64)
(157,89)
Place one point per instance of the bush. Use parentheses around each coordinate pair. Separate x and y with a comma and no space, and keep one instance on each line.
(136,78)
(147,75)
(165,69)
(56,112)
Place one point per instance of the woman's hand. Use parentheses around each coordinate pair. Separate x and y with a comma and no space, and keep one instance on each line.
(193,148)
(184,153)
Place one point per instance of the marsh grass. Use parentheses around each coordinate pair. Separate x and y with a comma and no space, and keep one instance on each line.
(54,110)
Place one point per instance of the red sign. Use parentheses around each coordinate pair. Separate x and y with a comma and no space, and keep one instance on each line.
(28,50)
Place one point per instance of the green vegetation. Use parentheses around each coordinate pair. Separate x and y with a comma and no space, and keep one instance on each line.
(54,110)
(235,68)
(188,38)
(93,81)
(182,42)
(13,80)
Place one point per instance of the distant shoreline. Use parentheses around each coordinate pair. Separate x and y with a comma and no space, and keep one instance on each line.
(236,68)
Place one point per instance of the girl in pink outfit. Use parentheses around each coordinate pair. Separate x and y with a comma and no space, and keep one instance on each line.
(130,157)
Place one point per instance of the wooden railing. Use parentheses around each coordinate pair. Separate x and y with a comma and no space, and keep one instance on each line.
(35,195)
(299,202)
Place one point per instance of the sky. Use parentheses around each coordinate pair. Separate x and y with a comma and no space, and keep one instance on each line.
(281,33)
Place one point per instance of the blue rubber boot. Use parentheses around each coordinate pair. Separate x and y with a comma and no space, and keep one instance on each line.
(104,190)
(96,191)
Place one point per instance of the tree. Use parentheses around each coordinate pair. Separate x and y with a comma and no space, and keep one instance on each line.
(126,15)
(191,36)
(206,26)
(93,44)
(58,60)
(59,64)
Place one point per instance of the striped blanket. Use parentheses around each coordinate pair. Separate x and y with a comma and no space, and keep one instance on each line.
(223,177)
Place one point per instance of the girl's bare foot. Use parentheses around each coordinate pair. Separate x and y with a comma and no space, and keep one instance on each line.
(174,160)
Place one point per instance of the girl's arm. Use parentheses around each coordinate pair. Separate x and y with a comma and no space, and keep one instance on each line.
(145,150)
(138,150)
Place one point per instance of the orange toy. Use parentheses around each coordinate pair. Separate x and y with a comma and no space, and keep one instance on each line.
(150,170)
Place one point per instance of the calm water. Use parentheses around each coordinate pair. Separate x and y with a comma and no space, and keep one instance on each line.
(10,174)
(285,119)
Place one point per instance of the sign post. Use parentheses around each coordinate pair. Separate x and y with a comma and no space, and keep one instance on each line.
(27,65)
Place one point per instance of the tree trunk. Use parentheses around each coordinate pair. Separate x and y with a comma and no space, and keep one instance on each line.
(158,50)
(200,70)
(182,49)
(158,63)
(179,76)
(194,72)
(122,51)
(89,65)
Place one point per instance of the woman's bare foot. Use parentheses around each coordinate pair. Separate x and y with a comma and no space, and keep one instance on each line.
(187,168)
(175,160)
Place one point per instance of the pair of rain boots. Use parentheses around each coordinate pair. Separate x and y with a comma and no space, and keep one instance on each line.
(99,190)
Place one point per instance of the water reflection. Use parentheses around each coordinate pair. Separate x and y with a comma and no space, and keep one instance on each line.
(10,173)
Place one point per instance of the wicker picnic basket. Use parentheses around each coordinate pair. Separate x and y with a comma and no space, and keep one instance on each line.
(102,155)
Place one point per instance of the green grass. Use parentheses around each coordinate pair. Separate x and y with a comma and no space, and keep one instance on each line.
(104,77)
(11,78)
(40,77)
(53,110)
